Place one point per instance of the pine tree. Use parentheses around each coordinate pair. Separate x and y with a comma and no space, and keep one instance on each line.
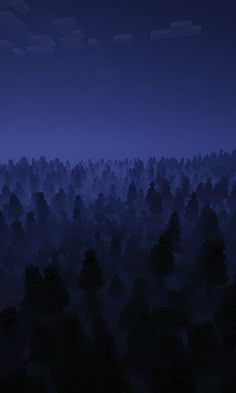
(132,194)
(91,277)
(162,257)
(213,265)
(56,295)
(192,208)
(153,199)
(173,229)
(33,282)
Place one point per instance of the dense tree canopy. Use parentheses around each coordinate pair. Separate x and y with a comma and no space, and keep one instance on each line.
(118,276)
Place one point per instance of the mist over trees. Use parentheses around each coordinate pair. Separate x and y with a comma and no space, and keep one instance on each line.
(118,276)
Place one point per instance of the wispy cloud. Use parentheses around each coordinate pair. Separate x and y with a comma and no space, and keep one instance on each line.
(74,40)
(5,44)
(17,36)
(64,25)
(41,44)
(18,6)
(123,39)
(175,30)
(93,42)
(18,51)
(12,26)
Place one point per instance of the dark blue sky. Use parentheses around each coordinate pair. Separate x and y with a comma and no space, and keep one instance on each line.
(172,96)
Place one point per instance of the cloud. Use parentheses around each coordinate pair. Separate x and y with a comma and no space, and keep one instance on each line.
(175,30)
(5,44)
(18,51)
(18,6)
(74,40)
(12,26)
(185,28)
(42,39)
(183,24)
(160,34)
(41,44)
(123,39)
(93,42)
(64,25)
(39,50)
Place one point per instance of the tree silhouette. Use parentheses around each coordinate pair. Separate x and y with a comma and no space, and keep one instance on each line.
(17,233)
(185,187)
(173,230)
(141,344)
(33,283)
(191,211)
(202,339)
(3,230)
(41,339)
(15,209)
(231,201)
(78,203)
(99,203)
(162,342)
(132,194)
(56,295)
(172,369)
(208,191)
(200,192)
(109,371)
(41,207)
(213,265)
(162,257)
(116,289)
(225,317)
(178,202)
(115,246)
(166,193)
(91,277)
(70,365)
(221,190)
(30,221)
(208,226)
(153,199)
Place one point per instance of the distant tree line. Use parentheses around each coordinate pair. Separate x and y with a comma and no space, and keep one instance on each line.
(118,276)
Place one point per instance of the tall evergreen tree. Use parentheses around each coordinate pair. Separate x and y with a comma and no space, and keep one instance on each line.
(173,229)
(132,194)
(91,277)
(162,257)
(192,208)
(153,199)
(213,265)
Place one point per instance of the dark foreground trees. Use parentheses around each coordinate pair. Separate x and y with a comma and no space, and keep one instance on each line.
(118,276)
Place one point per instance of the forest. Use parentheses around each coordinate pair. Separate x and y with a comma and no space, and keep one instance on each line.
(118,276)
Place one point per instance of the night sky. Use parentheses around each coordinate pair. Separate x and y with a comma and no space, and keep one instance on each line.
(70,90)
